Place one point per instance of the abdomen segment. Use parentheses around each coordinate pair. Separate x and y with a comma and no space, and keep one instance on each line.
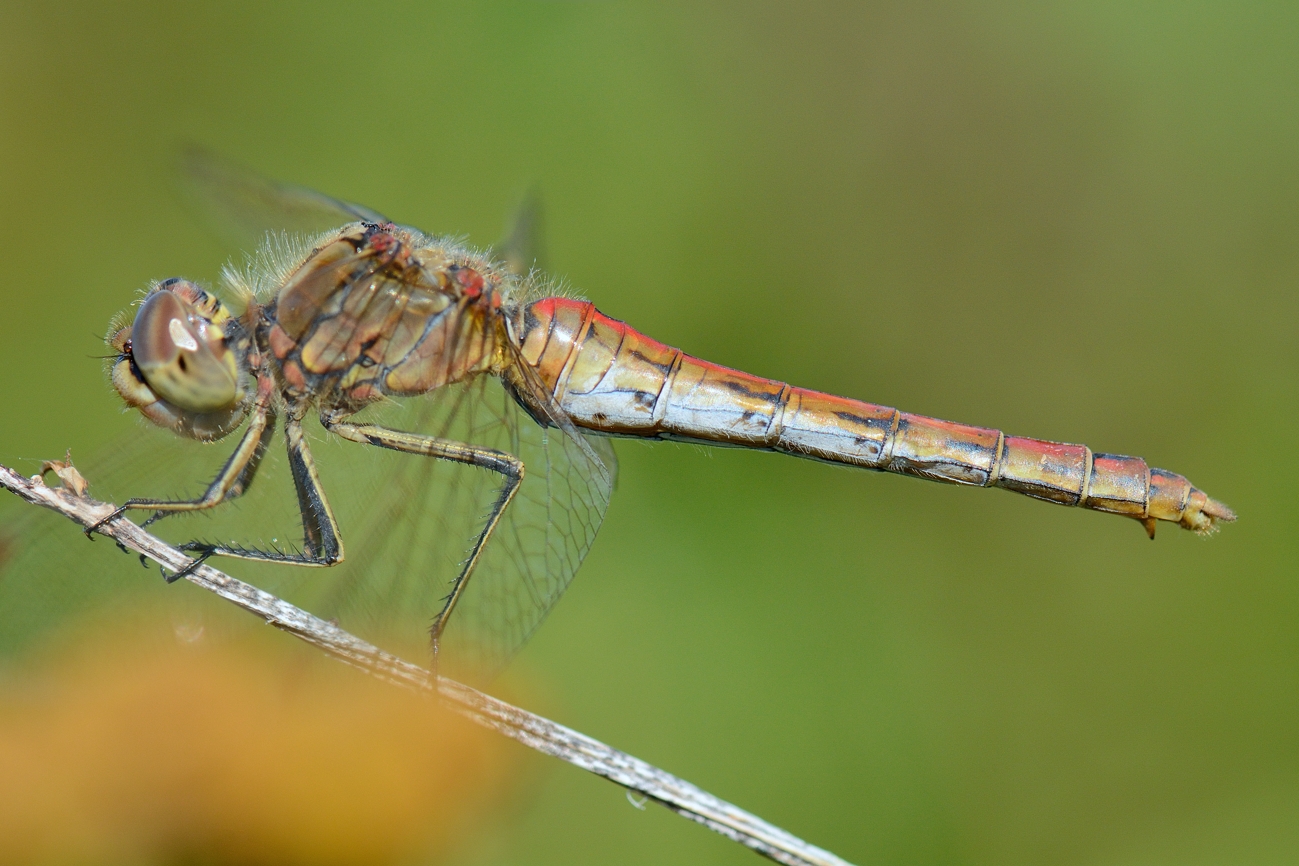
(612,379)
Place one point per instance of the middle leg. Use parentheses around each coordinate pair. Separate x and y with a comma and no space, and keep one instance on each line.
(506,465)
(322,544)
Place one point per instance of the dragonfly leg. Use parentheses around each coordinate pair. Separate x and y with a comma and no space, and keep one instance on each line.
(187,570)
(233,479)
(322,545)
(505,464)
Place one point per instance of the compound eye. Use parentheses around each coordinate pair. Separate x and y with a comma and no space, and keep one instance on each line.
(182,357)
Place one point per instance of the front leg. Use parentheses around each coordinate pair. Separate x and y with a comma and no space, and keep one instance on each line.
(322,545)
(233,479)
(507,465)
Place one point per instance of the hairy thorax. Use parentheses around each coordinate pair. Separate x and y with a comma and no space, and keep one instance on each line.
(372,312)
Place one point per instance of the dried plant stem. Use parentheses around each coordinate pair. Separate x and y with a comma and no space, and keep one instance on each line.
(533,731)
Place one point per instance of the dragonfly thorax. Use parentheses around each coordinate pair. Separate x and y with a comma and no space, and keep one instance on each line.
(378,310)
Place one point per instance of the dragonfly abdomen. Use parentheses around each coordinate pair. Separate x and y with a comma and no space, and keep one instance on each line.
(612,379)
(848,431)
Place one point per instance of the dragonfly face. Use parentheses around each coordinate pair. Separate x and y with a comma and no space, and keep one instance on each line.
(184,362)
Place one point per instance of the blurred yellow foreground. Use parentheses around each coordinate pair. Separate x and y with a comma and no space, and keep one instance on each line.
(152,748)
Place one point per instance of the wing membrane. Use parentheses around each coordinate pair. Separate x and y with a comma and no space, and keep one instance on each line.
(407,523)
(410,529)
(246,206)
(53,575)
(523,245)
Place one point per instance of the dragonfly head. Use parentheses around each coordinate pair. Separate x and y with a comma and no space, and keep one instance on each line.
(182,363)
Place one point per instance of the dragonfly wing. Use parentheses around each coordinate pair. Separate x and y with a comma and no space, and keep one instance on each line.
(408,523)
(246,206)
(541,543)
(523,245)
(51,576)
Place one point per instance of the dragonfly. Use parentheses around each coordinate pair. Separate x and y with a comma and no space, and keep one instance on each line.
(519,390)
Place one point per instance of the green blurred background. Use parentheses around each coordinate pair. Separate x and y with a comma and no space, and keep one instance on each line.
(1071,221)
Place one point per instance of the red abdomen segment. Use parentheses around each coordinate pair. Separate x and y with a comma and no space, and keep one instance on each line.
(614,380)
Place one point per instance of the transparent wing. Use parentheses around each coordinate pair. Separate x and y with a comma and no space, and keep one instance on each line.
(51,576)
(245,206)
(522,248)
(407,523)
(410,529)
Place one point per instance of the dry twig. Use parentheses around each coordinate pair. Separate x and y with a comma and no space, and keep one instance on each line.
(534,731)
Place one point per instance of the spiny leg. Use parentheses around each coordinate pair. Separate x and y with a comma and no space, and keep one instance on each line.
(506,465)
(322,545)
(233,480)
